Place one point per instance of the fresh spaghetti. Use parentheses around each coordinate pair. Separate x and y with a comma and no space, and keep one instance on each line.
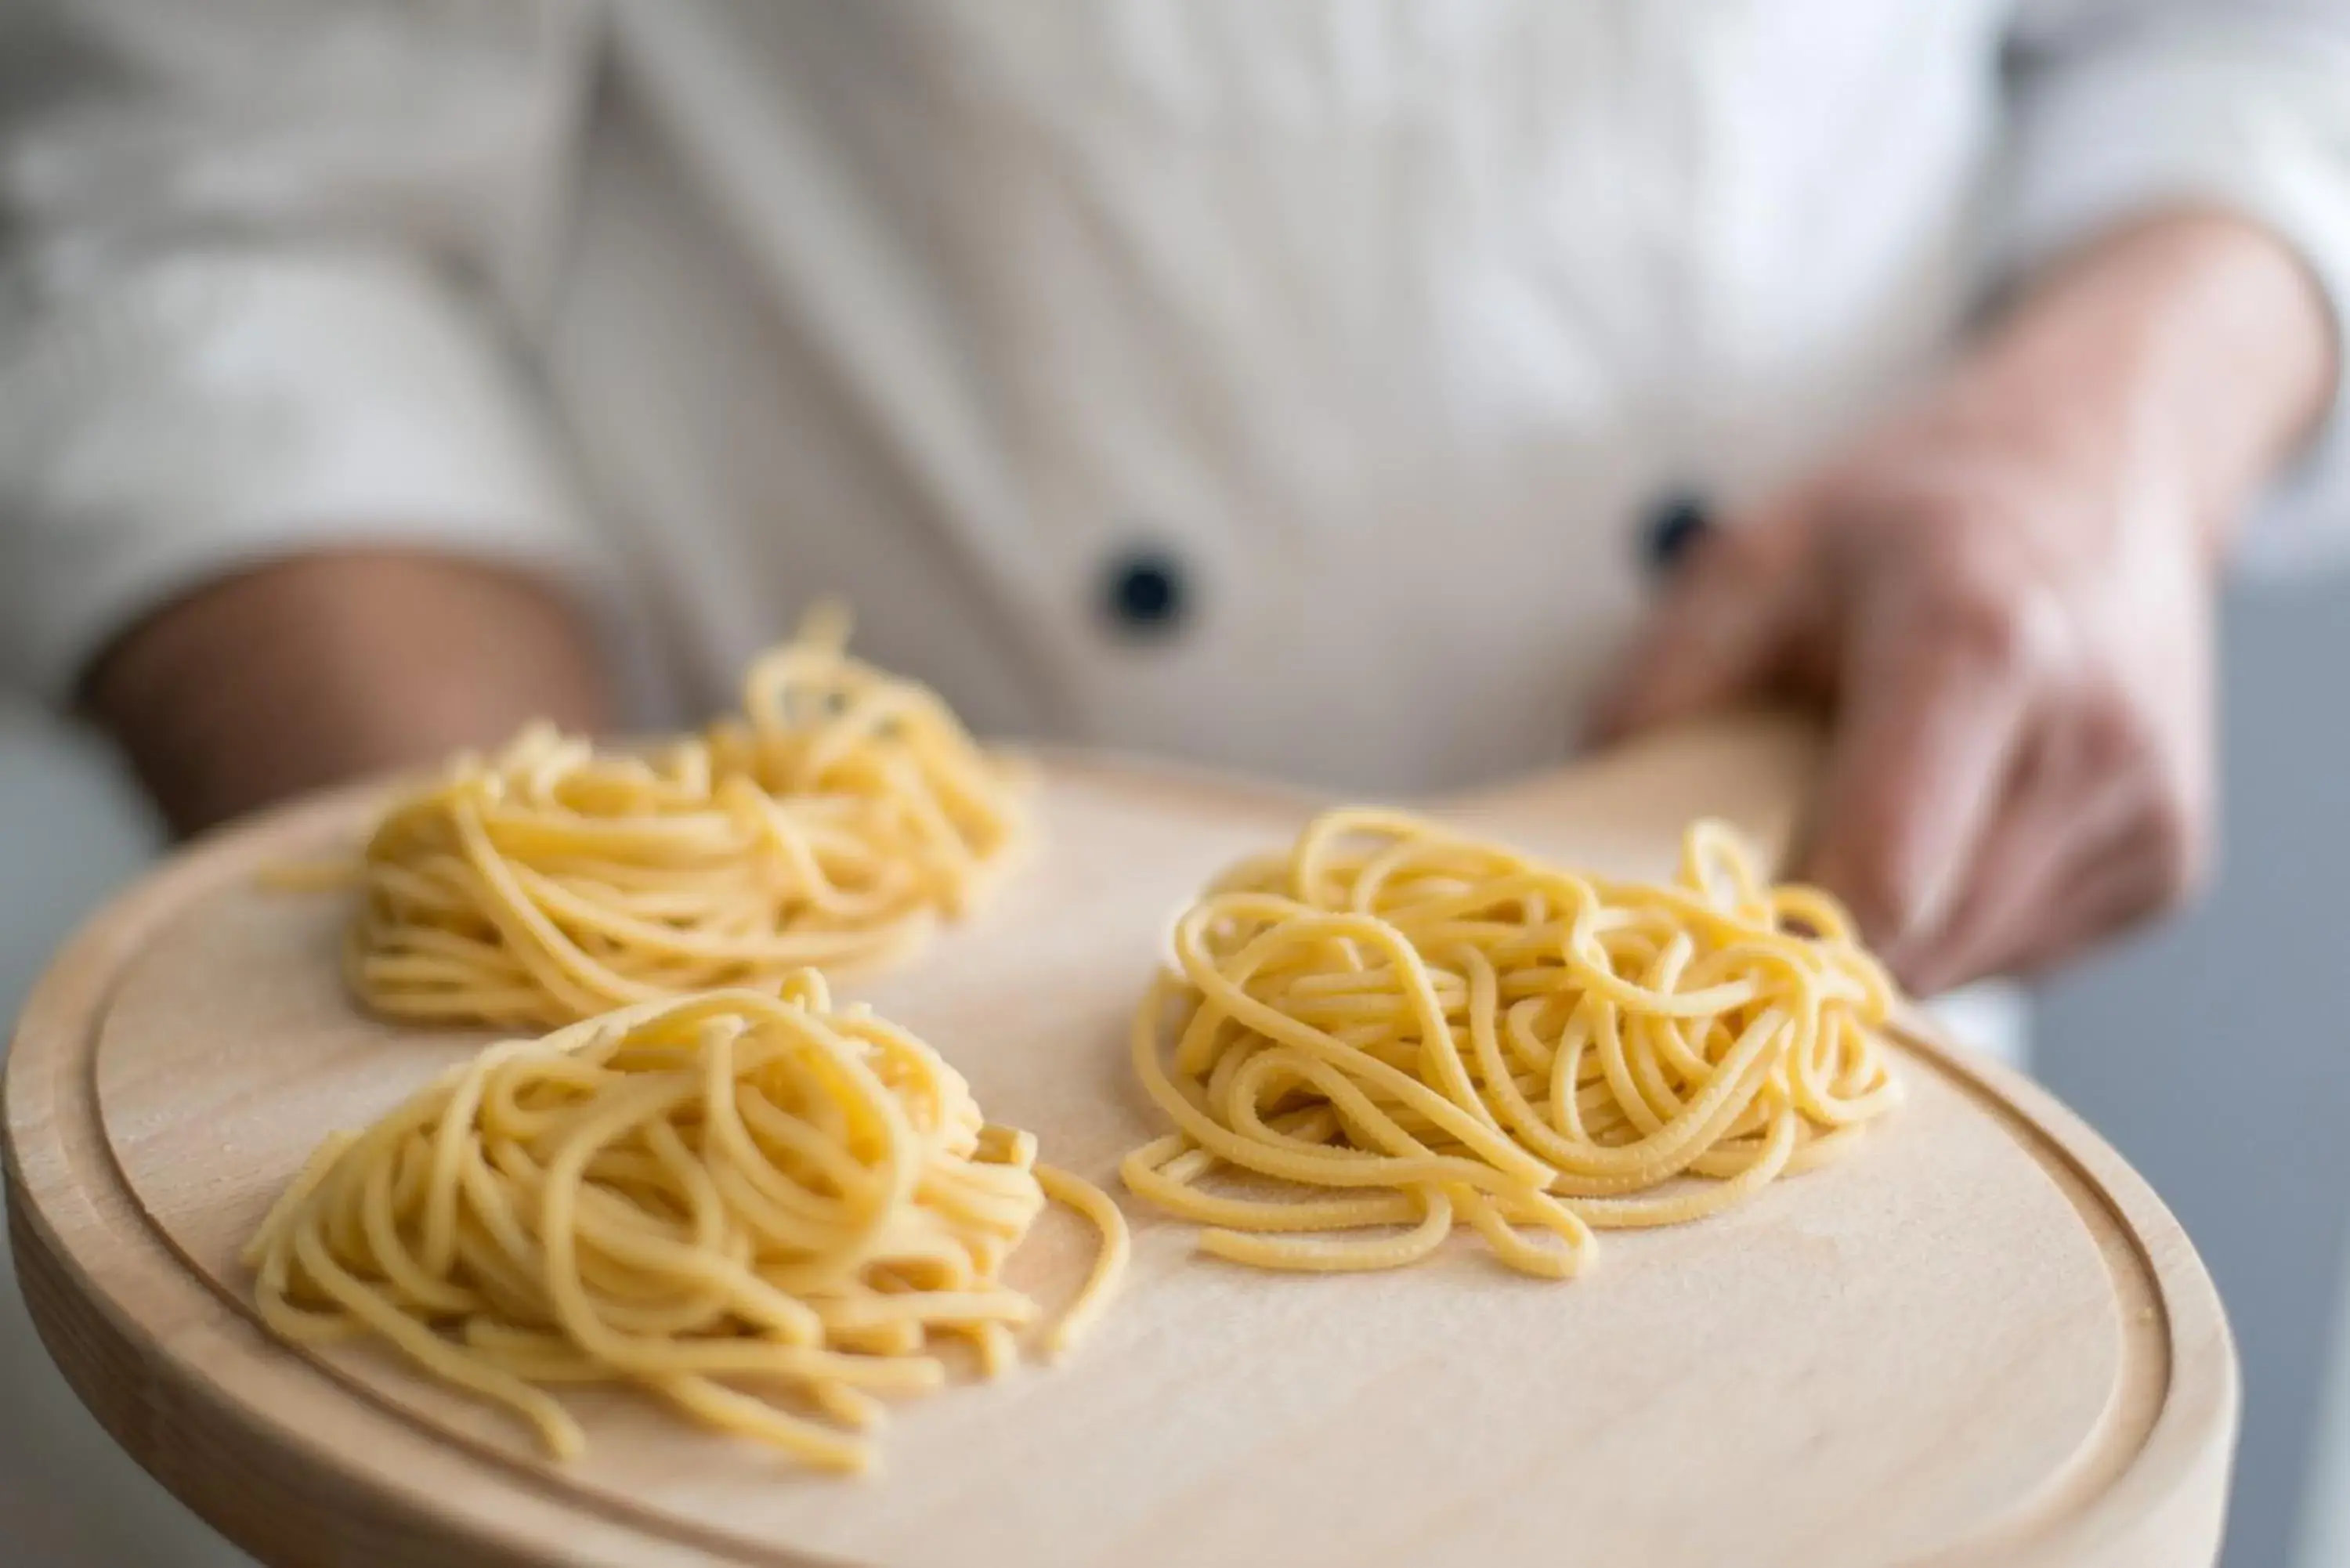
(1429,1030)
(762,1210)
(830,826)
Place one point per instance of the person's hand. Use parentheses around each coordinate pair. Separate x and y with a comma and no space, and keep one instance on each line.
(2007,594)
(2020,654)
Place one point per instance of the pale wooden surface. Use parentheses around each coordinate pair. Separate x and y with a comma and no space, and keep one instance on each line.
(1979,1341)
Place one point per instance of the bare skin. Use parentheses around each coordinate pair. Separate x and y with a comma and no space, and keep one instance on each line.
(327,667)
(2006,593)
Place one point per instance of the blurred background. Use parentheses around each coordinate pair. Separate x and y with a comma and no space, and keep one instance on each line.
(2211,1052)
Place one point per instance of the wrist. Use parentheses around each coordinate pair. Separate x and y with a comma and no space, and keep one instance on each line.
(2192,354)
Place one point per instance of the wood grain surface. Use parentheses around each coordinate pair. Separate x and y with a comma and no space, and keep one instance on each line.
(1980,1340)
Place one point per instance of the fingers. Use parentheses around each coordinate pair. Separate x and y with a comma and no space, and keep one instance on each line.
(2087,841)
(1929,732)
(2121,891)
(2055,831)
(2085,898)
(2003,784)
(1720,635)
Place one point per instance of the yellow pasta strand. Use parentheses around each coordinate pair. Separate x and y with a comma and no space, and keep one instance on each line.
(830,826)
(762,1210)
(1435,1030)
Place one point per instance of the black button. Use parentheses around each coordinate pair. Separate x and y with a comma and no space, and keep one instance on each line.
(1675,522)
(1145,593)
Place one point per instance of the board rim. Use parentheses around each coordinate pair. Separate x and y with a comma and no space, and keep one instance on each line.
(173,1402)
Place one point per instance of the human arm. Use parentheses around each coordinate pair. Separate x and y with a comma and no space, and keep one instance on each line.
(333,664)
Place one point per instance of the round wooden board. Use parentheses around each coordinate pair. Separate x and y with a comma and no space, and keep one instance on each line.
(1980,1340)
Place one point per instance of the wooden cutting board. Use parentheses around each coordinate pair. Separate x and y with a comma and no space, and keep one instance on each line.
(1980,1340)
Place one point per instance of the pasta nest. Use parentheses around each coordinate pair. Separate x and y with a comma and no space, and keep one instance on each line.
(831,825)
(1423,1028)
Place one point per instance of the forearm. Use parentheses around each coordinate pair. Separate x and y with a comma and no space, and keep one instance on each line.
(2192,350)
(330,666)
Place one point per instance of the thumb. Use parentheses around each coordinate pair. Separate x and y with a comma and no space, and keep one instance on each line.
(1721,635)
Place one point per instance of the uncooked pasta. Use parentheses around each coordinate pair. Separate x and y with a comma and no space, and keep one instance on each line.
(1404,1029)
(765,1210)
(829,825)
